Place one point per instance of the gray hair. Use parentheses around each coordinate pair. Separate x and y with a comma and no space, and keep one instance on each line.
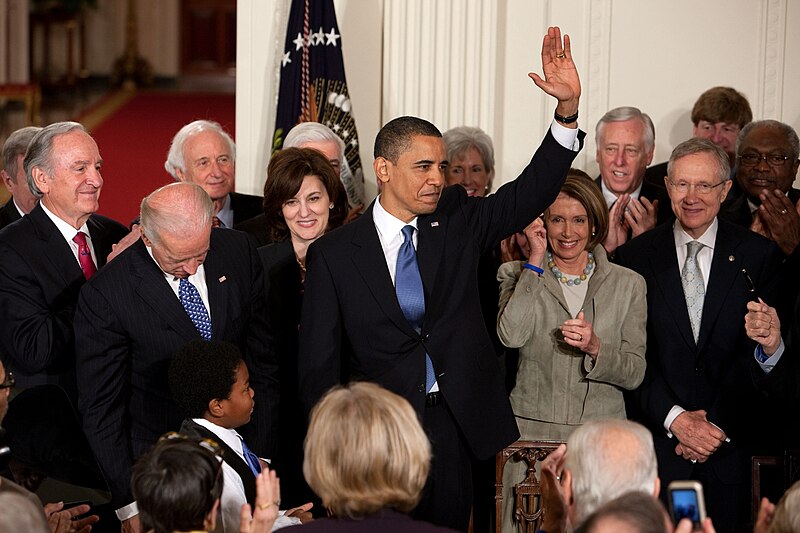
(784,129)
(181,208)
(175,160)
(40,151)
(623,114)
(16,145)
(307,132)
(698,145)
(603,468)
(461,138)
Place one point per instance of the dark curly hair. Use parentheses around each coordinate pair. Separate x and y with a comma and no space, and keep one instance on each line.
(285,174)
(202,371)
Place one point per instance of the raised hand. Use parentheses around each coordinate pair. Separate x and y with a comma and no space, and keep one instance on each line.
(561,78)
(536,236)
(761,323)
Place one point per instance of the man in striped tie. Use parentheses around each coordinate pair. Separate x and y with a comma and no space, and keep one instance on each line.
(181,281)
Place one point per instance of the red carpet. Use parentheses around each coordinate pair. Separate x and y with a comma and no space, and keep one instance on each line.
(134,140)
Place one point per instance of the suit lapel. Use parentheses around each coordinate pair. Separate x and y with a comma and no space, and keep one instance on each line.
(152,287)
(430,247)
(370,262)
(667,276)
(101,247)
(59,252)
(725,268)
(218,292)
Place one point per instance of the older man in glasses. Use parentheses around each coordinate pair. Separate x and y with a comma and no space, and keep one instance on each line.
(705,391)
(764,200)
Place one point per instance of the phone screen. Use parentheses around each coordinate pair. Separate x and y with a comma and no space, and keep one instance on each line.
(685,505)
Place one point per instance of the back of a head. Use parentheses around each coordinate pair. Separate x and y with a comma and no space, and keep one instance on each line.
(395,136)
(722,104)
(608,458)
(787,513)
(19,514)
(365,450)
(175,485)
(178,208)
(202,371)
(634,512)
(17,144)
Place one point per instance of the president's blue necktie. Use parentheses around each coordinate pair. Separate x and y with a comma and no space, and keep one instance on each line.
(408,286)
(251,459)
(195,308)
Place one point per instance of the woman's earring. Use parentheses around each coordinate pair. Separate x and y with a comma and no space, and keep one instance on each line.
(330,206)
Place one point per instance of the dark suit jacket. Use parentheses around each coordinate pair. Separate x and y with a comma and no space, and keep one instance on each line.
(39,283)
(256,228)
(8,213)
(719,373)
(736,209)
(191,428)
(245,206)
(129,324)
(284,293)
(653,190)
(350,299)
(385,521)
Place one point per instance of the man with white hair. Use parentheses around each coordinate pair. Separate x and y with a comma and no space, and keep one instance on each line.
(602,460)
(204,154)
(625,144)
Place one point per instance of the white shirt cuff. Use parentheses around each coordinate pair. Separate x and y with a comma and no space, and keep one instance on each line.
(671,416)
(284,521)
(772,360)
(566,137)
(129,511)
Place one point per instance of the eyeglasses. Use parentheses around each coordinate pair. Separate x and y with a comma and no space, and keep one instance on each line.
(684,187)
(752,160)
(9,382)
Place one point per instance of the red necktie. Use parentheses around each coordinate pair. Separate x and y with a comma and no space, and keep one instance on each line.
(84,255)
(215,222)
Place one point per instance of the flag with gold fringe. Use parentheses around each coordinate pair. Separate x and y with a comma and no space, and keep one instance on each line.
(313,87)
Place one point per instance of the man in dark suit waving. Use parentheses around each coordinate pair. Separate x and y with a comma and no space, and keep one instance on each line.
(181,281)
(47,256)
(705,394)
(393,297)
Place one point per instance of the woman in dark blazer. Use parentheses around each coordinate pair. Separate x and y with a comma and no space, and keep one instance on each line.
(303,198)
(367,457)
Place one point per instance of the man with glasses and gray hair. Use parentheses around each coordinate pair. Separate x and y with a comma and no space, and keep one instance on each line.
(764,198)
(705,392)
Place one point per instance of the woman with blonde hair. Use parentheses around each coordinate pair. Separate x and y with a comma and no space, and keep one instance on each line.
(367,458)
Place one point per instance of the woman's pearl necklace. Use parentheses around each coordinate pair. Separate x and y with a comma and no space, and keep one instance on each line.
(563,278)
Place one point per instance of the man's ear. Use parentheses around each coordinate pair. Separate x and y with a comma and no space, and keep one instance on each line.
(215,408)
(180,175)
(6,179)
(381,167)
(657,487)
(569,496)
(41,179)
(211,519)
